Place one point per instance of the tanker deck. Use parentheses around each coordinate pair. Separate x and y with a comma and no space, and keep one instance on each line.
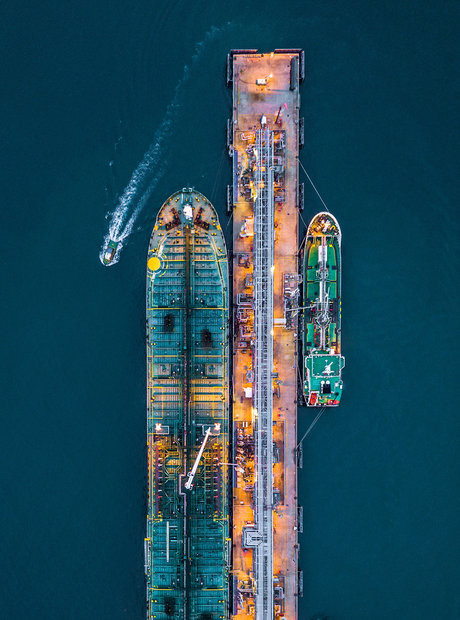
(187,547)
(263,139)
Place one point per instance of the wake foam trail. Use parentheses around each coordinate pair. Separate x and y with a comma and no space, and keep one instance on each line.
(139,188)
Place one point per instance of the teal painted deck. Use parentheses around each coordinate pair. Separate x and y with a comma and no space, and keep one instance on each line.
(187,392)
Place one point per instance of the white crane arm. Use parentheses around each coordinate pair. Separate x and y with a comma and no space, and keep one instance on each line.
(191,475)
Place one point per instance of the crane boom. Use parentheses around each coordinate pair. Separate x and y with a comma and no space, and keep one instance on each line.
(191,475)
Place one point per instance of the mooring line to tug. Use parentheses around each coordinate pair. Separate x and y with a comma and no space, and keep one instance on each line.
(306,226)
(310,428)
(301,247)
(300,379)
(312,184)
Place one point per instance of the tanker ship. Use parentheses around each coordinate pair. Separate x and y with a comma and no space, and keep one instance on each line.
(187,545)
(322,361)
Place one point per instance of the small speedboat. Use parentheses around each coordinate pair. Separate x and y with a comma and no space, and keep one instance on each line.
(110,252)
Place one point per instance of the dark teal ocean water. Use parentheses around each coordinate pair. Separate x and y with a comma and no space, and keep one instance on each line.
(87,89)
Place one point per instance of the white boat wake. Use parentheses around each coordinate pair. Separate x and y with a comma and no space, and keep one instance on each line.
(141,186)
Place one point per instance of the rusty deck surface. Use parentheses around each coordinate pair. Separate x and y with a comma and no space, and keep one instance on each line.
(250,102)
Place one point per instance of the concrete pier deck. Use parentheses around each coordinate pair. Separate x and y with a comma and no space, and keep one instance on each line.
(276,97)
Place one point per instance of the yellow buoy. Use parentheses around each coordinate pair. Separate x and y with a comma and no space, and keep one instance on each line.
(154,263)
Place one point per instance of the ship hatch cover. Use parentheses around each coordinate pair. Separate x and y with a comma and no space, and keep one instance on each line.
(206,339)
(170,606)
(168,323)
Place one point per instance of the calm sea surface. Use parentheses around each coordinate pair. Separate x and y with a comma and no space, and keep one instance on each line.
(108,107)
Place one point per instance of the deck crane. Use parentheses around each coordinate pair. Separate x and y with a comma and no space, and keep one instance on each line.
(191,475)
(279,120)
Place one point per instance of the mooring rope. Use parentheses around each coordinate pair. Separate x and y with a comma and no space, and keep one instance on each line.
(312,184)
(312,425)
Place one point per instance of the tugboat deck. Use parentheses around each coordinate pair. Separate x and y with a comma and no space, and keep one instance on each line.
(321,315)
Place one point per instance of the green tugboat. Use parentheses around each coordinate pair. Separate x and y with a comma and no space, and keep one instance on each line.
(322,283)
(187,546)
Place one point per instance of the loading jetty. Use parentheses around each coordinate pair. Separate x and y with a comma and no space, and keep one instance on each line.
(263,137)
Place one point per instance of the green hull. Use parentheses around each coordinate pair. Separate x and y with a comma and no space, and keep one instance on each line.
(187,547)
(322,284)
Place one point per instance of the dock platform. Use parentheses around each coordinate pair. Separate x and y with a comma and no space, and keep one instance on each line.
(264,134)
